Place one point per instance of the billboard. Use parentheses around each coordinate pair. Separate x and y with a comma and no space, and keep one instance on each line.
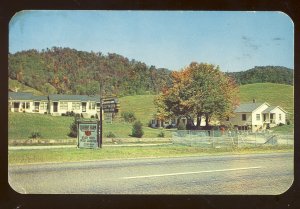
(88,134)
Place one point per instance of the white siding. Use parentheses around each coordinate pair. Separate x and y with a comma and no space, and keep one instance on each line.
(258,111)
(277,111)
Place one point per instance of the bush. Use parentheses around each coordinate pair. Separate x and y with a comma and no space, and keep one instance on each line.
(35,135)
(73,128)
(161,134)
(150,124)
(181,126)
(128,117)
(288,122)
(111,135)
(137,129)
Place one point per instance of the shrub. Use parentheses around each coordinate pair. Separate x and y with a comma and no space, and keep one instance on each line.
(111,135)
(161,134)
(288,122)
(73,128)
(150,124)
(128,117)
(137,129)
(181,126)
(35,135)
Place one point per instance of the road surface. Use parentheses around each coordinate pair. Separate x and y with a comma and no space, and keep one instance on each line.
(230,174)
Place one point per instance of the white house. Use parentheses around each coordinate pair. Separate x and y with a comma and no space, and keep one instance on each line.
(56,104)
(257,116)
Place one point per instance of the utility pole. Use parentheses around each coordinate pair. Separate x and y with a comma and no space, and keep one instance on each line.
(100,122)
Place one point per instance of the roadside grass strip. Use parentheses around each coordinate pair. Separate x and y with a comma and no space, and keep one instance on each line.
(112,153)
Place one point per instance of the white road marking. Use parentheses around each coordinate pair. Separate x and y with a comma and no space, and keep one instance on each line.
(187,173)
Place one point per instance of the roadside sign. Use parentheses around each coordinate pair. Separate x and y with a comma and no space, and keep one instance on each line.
(110,105)
(88,134)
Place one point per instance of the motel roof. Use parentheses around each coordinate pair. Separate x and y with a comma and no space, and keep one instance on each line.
(66,97)
(52,97)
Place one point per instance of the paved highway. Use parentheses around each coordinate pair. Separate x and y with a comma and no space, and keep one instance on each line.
(230,174)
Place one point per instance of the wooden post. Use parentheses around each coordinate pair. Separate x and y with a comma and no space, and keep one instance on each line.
(100,118)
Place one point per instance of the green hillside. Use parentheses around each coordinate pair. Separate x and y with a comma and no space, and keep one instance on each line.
(141,105)
(274,94)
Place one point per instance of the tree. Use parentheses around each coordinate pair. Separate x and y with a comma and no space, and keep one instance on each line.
(200,90)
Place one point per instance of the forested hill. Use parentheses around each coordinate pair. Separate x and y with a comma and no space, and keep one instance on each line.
(68,71)
(270,74)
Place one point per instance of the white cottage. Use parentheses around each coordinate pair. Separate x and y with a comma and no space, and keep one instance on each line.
(257,116)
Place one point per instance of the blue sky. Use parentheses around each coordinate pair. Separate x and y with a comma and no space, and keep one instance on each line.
(234,41)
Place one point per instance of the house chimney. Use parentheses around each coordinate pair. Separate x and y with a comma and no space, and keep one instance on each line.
(254,100)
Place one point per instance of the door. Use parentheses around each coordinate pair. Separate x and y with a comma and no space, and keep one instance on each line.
(83,106)
(272,118)
(55,106)
(16,106)
(36,106)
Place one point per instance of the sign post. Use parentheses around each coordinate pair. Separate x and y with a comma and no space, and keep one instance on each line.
(88,134)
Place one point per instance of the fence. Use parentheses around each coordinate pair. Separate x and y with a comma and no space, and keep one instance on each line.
(217,138)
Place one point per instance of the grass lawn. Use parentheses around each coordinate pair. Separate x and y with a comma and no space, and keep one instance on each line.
(21,125)
(106,153)
(285,129)
(124,130)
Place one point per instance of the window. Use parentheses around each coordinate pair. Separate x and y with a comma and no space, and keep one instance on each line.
(280,117)
(44,105)
(257,116)
(98,105)
(92,105)
(76,105)
(26,105)
(243,117)
(63,105)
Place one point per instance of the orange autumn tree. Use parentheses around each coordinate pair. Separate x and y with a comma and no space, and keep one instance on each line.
(200,90)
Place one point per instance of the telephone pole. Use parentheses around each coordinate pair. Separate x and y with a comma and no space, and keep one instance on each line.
(100,116)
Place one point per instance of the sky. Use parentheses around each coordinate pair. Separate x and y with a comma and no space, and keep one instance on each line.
(234,41)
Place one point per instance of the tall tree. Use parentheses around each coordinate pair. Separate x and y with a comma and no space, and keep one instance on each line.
(198,90)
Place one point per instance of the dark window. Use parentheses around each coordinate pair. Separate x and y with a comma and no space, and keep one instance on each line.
(243,117)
